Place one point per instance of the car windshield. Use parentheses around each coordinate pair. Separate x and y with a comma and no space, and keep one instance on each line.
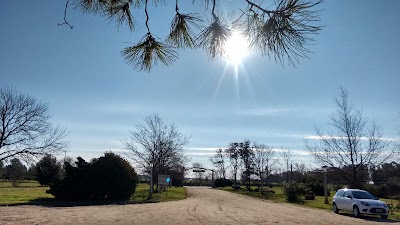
(362,195)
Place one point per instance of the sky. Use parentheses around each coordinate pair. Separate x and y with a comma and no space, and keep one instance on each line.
(98,98)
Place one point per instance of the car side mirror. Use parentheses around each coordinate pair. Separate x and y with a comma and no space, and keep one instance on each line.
(348,196)
(376,198)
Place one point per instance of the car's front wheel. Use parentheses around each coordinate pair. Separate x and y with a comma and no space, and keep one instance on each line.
(356,211)
(384,216)
(335,208)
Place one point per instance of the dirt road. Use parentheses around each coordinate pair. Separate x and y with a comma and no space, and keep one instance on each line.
(204,206)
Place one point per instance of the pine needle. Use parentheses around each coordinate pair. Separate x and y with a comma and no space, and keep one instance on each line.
(181,34)
(121,13)
(213,38)
(148,53)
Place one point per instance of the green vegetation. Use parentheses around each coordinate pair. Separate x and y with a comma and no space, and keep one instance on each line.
(47,170)
(277,196)
(293,191)
(30,192)
(26,192)
(318,202)
(109,177)
(173,194)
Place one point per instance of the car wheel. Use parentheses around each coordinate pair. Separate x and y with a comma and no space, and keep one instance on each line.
(384,216)
(335,208)
(356,211)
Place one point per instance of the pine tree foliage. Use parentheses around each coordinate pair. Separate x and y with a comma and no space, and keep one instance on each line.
(280,29)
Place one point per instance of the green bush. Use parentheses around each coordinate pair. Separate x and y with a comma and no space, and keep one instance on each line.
(112,177)
(221,182)
(310,195)
(337,186)
(15,172)
(75,184)
(380,191)
(317,188)
(108,177)
(293,191)
(176,177)
(47,170)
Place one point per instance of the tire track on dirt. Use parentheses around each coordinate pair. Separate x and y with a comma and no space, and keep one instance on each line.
(203,206)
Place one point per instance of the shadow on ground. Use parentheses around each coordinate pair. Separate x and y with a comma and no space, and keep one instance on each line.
(51,202)
(371,218)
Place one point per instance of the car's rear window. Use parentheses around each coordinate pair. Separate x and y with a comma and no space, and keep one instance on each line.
(362,195)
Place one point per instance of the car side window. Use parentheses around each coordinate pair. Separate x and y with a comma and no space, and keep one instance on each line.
(347,193)
(339,193)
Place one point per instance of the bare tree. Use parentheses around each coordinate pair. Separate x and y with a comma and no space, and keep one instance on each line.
(25,128)
(300,167)
(281,29)
(247,160)
(157,146)
(200,172)
(351,146)
(287,161)
(1,170)
(233,152)
(263,161)
(218,160)
(397,145)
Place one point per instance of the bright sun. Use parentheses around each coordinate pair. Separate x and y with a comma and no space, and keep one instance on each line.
(236,48)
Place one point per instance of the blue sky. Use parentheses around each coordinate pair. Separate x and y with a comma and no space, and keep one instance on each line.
(97,97)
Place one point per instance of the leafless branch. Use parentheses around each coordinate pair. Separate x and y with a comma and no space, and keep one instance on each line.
(155,143)
(65,17)
(25,130)
(218,161)
(352,146)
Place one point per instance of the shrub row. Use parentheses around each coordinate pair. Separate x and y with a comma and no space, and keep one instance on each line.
(108,177)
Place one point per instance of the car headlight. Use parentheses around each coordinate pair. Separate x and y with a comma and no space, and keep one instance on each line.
(386,206)
(365,203)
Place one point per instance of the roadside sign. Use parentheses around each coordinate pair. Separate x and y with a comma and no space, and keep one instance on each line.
(163,179)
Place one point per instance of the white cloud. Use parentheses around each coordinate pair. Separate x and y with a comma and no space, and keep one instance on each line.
(118,150)
(338,137)
(205,149)
(277,150)
(202,153)
(293,151)
(268,111)
(116,108)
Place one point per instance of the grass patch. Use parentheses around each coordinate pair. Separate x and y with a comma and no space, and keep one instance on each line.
(173,194)
(278,196)
(31,193)
(26,192)
(318,202)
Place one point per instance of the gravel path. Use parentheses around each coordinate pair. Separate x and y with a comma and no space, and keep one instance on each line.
(203,206)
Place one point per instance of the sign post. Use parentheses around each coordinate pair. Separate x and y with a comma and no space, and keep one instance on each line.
(163,180)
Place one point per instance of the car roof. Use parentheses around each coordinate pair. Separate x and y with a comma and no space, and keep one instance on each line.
(349,189)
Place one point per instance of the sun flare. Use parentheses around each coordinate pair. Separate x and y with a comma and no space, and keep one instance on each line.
(236,48)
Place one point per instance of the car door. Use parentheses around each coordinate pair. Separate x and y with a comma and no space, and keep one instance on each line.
(347,201)
(339,199)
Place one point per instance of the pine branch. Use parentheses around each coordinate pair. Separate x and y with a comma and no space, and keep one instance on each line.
(65,16)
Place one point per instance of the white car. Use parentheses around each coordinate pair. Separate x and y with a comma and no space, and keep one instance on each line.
(359,202)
